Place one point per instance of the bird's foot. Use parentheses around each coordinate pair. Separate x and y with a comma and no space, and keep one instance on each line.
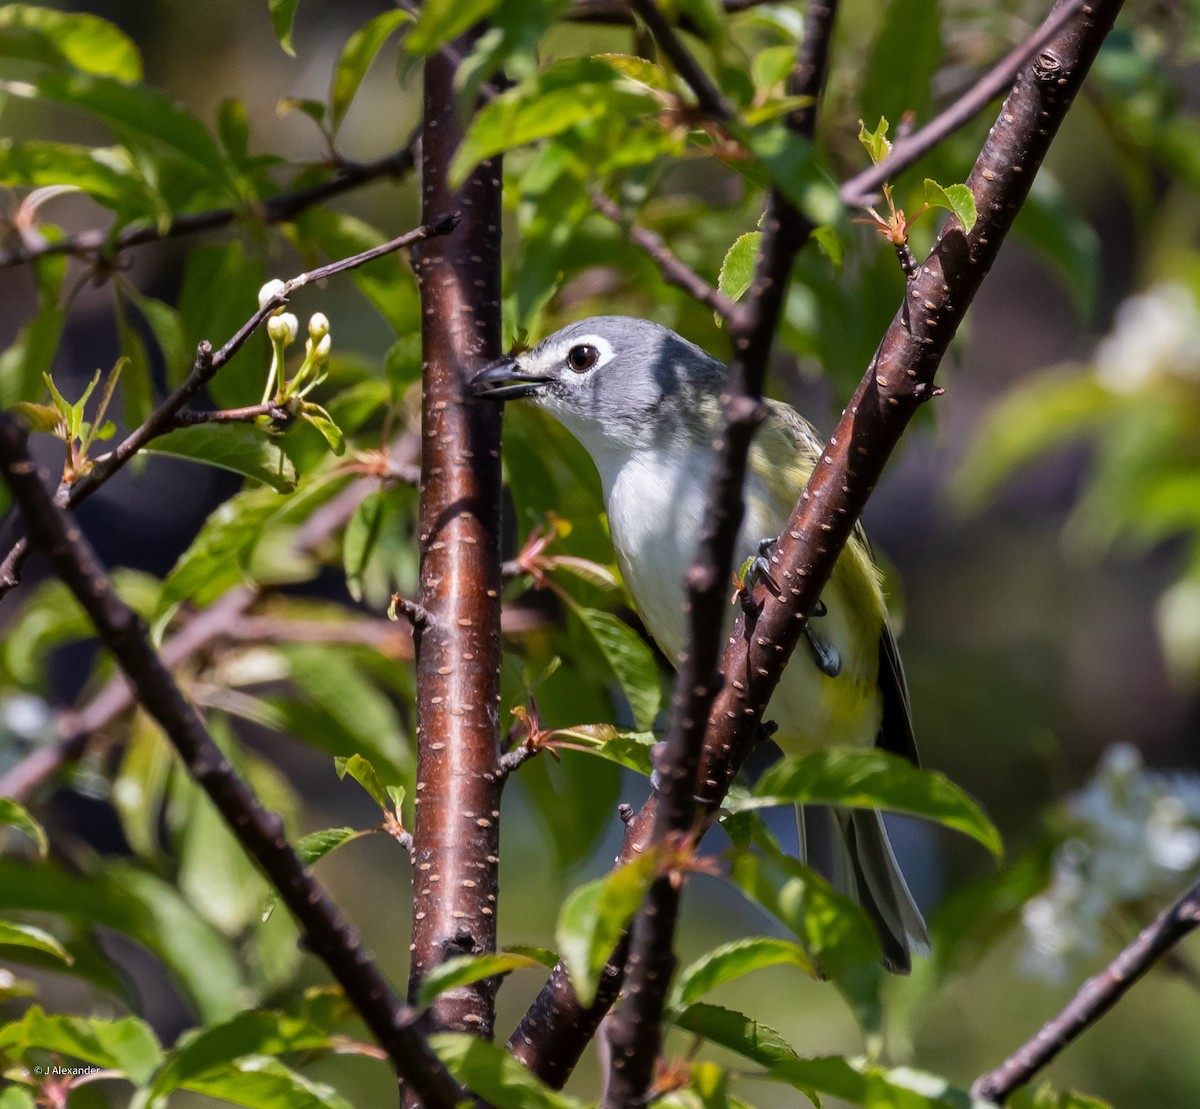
(757,568)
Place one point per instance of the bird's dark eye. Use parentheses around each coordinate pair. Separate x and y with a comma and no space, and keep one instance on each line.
(582,358)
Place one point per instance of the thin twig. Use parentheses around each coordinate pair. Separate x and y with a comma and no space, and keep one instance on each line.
(245,415)
(863,188)
(673,269)
(709,98)
(206,365)
(274,209)
(616,12)
(327,934)
(1093,999)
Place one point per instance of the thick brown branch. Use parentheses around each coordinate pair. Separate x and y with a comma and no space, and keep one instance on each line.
(456,838)
(259,831)
(673,270)
(898,381)
(208,362)
(1094,998)
(275,209)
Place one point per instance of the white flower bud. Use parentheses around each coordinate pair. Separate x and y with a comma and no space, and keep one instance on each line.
(270,291)
(323,348)
(283,328)
(318,325)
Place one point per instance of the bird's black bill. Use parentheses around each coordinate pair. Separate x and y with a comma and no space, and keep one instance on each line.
(504,381)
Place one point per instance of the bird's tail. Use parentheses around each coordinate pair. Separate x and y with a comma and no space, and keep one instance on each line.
(864,868)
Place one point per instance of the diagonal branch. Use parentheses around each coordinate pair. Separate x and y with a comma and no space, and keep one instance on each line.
(1094,998)
(327,934)
(207,364)
(709,98)
(899,379)
(274,209)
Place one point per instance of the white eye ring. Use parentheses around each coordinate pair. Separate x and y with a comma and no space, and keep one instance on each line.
(598,352)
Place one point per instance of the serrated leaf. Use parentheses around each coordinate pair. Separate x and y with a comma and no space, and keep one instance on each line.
(127,1045)
(358,53)
(737,268)
(442,20)
(595,916)
(872,779)
(494,1075)
(732,960)
(26,935)
(283,15)
(631,660)
(18,816)
(71,39)
(365,775)
(955,198)
(242,448)
(466,969)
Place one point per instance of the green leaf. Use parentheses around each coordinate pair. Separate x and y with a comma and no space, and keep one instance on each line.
(19,817)
(138,114)
(835,931)
(258,1082)
(877,144)
(242,448)
(323,422)
(956,198)
(542,955)
(1044,1096)
(263,1032)
(631,660)
(365,775)
(126,1045)
(283,15)
(465,969)
(628,749)
(32,352)
(25,935)
(107,174)
(595,916)
(358,53)
(787,161)
(494,1075)
(737,270)
(316,845)
(872,779)
(73,40)
(442,20)
(17,1097)
(571,92)
(732,960)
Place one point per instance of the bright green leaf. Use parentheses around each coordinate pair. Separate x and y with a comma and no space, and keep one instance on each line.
(873,779)
(26,935)
(494,1075)
(737,270)
(359,540)
(283,15)
(242,448)
(357,55)
(126,1045)
(732,960)
(595,916)
(628,749)
(365,775)
(320,419)
(442,20)
(19,817)
(956,198)
(260,1082)
(877,144)
(465,969)
(631,660)
(76,40)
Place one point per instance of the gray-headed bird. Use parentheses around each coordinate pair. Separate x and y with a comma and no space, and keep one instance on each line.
(645,403)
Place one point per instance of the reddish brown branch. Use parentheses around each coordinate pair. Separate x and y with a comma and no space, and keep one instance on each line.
(275,209)
(208,362)
(1094,998)
(260,832)
(899,379)
(456,838)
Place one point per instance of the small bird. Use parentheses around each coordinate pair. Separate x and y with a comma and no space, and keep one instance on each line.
(645,403)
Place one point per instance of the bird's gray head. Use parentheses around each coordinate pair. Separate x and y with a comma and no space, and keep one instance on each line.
(616,383)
